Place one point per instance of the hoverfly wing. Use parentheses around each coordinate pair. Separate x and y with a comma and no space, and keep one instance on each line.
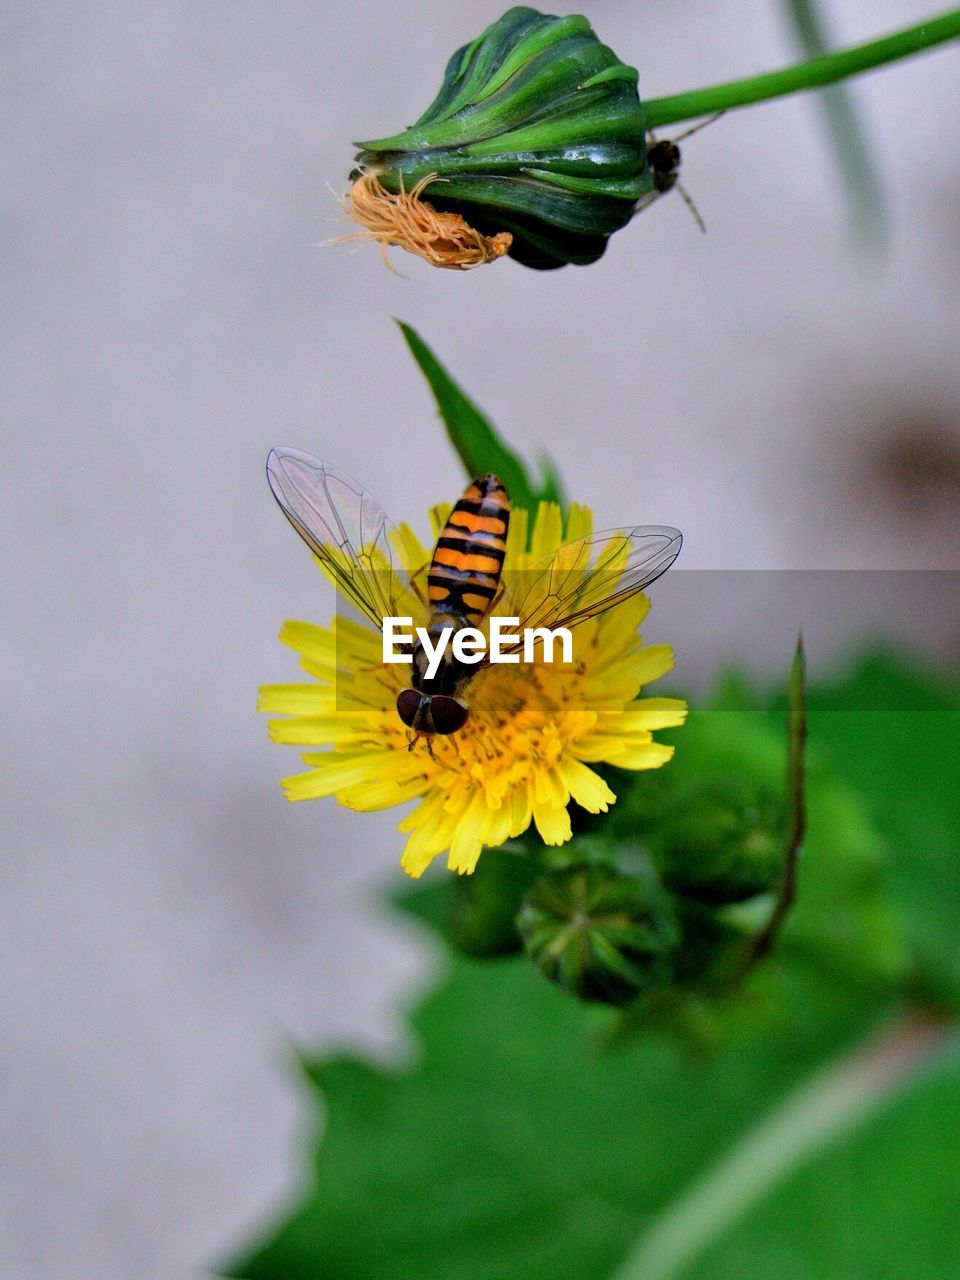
(586,577)
(342,525)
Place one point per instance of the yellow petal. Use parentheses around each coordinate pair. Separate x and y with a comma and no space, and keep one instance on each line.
(520,811)
(549,789)
(413,554)
(439,515)
(315,643)
(586,787)
(547,531)
(381,793)
(579,522)
(468,841)
(332,772)
(553,824)
(294,699)
(650,756)
(311,731)
(651,713)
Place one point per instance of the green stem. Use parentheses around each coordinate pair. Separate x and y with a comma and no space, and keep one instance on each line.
(805,75)
(796,802)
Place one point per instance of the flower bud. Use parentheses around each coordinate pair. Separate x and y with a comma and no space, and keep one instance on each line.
(535,146)
(714,944)
(597,933)
(486,904)
(720,841)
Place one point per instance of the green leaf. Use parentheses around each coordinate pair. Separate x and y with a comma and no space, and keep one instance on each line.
(515,1149)
(893,732)
(480,446)
(843,920)
(553,490)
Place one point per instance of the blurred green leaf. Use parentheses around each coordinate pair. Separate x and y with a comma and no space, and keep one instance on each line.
(480,446)
(843,920)
(854,163)
(905,763)
(515,1149)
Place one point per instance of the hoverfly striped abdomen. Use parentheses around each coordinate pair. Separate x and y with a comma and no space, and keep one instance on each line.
(464,575)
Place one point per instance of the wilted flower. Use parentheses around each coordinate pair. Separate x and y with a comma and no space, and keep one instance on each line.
(535,146)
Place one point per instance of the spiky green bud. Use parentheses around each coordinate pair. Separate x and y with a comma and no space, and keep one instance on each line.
(597,933)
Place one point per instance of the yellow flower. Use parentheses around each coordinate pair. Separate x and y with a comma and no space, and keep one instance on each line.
(533,731)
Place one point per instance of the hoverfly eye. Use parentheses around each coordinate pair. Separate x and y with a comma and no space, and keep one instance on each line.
(408,704)
(449,714)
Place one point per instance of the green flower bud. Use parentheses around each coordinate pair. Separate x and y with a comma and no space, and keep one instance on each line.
(535,145)
(589,850)
(640,799)
(487,903)
(714,945)
(720,841)
(597,933)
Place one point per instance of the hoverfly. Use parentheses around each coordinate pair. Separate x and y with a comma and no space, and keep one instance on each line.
(352,537)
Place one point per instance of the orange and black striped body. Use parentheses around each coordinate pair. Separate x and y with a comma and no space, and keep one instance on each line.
(465,571)
(462,585)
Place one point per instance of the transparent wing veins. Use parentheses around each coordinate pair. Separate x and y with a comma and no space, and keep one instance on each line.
(586,577)
(342,525)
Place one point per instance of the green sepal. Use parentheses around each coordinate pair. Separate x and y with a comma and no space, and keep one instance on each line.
(537,130)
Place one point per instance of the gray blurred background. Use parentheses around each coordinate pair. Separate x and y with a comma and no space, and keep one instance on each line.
(170,925)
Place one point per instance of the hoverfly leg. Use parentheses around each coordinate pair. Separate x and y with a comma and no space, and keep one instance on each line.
(688,133)
(401,647)
(685,197)
(646,201)
(415,587)
(663,158)
(415,737)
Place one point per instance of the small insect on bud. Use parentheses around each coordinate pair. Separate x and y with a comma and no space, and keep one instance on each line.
(720,841)
(599,934)
(535,146)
